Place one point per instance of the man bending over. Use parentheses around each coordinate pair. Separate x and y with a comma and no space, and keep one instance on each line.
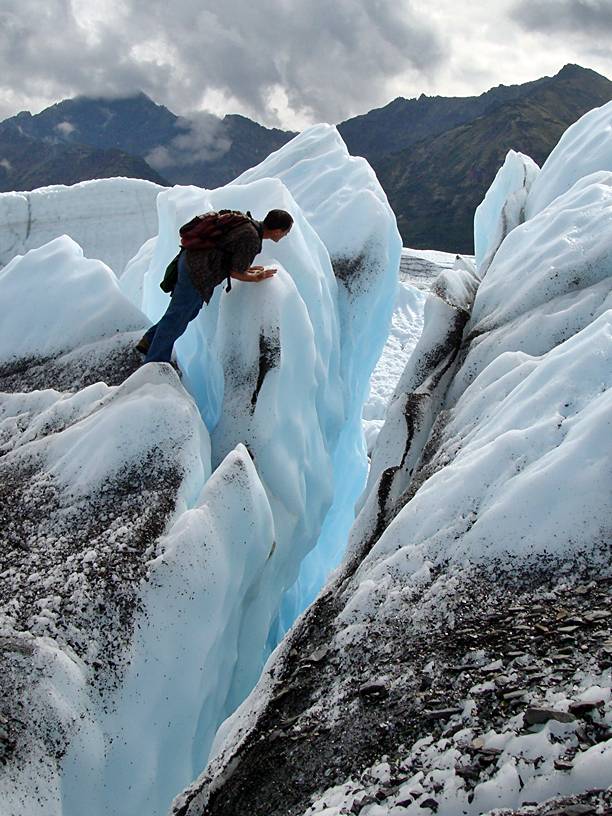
(229,253)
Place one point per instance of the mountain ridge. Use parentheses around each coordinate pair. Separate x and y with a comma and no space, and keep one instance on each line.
(435,156)
(435,185)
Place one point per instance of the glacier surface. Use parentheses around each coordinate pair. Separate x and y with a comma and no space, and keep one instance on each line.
(108,218)
(164,527)
(480,557)
(584,148)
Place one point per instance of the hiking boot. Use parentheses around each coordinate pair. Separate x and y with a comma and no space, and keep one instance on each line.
(175,366)
(143,344)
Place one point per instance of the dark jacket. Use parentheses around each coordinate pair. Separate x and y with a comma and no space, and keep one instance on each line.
(235,253)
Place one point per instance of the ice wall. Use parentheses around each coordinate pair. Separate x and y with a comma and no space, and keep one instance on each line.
(139,589)
(342,216)
(418,396)
(240,361)
(109,218)
(343,200)
(503,207)
(584,148)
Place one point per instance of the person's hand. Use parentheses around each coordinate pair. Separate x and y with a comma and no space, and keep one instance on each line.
(260,273)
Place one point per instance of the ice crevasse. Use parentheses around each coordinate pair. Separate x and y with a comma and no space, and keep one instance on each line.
(153,586)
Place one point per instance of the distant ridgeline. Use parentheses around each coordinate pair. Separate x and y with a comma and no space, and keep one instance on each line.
(435,156)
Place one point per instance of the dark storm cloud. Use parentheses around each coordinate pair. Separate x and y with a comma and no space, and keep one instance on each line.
(587,17)
(331,59)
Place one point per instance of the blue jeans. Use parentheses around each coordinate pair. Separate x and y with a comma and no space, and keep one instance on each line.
(184,306)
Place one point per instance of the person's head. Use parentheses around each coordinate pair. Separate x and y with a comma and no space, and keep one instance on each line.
(277,224)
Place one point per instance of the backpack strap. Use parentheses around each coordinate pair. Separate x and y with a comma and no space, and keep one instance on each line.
(228,287)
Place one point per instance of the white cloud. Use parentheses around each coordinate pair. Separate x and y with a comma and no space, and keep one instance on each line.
(284,63)
(200,139)
(65,128)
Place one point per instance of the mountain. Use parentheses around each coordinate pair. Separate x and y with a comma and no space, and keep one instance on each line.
(406,121)
(27,163)
(139,126)
(435,185)
(134,124)
(434,156)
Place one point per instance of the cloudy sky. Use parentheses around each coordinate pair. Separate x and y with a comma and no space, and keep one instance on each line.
(289,63)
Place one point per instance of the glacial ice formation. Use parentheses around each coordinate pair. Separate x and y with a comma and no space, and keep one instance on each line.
(504,496)
(421,388)
(239,358)
(153,587)
(343,200)
(108,218)
(342,215)
(584,148)
(548,280)
(47,292)
(89,481)
(503,207)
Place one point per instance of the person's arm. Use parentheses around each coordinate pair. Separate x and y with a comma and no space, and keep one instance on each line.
(253,274)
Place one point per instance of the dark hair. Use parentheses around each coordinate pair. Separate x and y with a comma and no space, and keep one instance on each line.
(278,219)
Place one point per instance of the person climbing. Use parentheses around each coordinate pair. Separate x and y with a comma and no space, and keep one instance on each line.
(214,247)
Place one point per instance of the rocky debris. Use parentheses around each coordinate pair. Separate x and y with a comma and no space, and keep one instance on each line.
(317,656)
(580,710)
(111,360)
(7,744)
(442,713)
(537,716)
(472,664)
(591,803)
(374,690)
(78,564)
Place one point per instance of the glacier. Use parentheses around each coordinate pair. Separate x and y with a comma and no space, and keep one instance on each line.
(583,149)
(360,234)
(154,600)
(343,258)
(109,219)
(457,661)
(503,207)
(163,532)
